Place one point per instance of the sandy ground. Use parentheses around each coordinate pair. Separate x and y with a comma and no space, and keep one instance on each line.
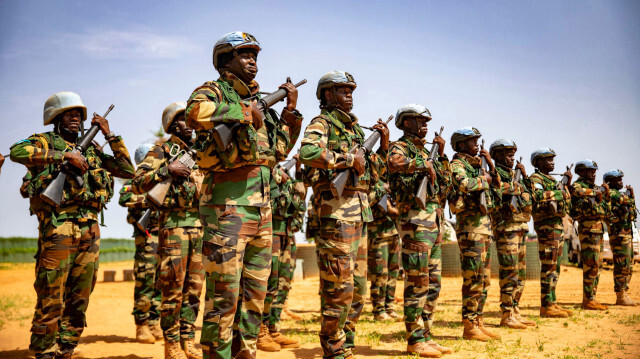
(111,331)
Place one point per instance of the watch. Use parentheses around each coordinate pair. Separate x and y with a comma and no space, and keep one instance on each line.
(109,136)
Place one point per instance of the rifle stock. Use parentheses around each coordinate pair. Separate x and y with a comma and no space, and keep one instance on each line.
(513,204)
(159,192)
(483,195)
(425,185)
(143,222)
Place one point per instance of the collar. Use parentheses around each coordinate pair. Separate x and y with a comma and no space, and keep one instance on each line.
(500,165)
(586,181)
(175,139)
(474,161)
(243,89)
(416,140)
(348,119)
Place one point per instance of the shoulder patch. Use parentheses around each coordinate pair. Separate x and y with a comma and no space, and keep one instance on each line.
(538,185)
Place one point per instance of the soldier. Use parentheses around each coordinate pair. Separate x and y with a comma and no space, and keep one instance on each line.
(146,292)
(312,229)
(69,241)
(473,226)
(510,228)
(236,203)
(419,228)
(180,233)
(620,225)
(341,246)
(550,205)
(590,207)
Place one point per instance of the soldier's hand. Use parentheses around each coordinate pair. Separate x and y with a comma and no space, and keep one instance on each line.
(179,169)
(298,164)
(487,176)
(1,160)
(431,171)
(359,162)
(285,177)
(606,189)
(256,116)
(520,166)
(630,190)
(292,95)
(441,142)
(101,122)
(77,160)
(384,134)
(569,176)
(484,153)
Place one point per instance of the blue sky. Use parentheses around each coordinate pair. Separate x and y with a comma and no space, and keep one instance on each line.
(543,73)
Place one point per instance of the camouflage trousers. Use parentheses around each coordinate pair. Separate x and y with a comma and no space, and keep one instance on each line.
(512,249)
(622,248)
(181,277)
(146,293)
(383,269)
(342,261)
(475,261)
(283,263)
(591,247)
(237,260)
(422,264)
(550,247)
(66,273)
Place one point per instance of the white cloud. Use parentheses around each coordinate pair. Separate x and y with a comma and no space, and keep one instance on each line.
(114,44)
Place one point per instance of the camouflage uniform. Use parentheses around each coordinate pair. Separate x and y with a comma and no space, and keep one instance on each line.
(312,230)
(420,231)
(146,292)
(590,213)
(623,214)
(235,209)
(510,229)
(69,235)
(180,248)
(341,246)
(383,261)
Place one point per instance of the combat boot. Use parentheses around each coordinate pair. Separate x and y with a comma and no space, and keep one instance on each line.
(143,335)
(265,342)
(553,312)
(172,350)
(569,312)
(392,313)
(624,300)
(382,317)
(593,305)
(189,348)
(284,341)
(485,331)
(509,320)
(438,347)
(156,331)
(423,350)
(472,332)
(521,319)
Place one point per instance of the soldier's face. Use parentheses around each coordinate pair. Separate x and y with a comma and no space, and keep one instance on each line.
(70,120)
(505,157)
(340,97)
(470,146)
(244,65)
(616,183)
(589,174)
(183,131)
(417,126)
(546,164)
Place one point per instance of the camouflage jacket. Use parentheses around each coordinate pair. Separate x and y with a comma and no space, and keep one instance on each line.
(585,204)
(329,135)
(623,212)
(239,174)
(180,207)
(136,205)
(505,219)
(43,155)
(547,198)
(405,155)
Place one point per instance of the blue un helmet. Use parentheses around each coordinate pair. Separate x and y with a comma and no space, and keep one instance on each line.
(586,164)
(612,174)
(233,41)
(501,144)
(141,152)
(541,153)
(463,134)
(335,78)
(411,110)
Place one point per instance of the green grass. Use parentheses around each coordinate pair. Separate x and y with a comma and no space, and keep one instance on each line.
(14,308)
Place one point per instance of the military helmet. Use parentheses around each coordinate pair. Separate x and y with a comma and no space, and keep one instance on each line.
(231,42)
(462,135)
(586,164)
(170,112)
(335,78)
(613,173)
(141,152)
(411,110)
(60,102)
(501,144)
(541,153)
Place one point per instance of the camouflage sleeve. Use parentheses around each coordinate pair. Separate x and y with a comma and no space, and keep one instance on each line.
(314,151)
(33,152)
(465,183)
(205,108)
(119,164)
(151,171)
(579,191)
(398,160)
(130,200)
(540,195)
(294,119)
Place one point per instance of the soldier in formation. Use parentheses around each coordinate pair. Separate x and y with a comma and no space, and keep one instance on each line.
(69,234)
(180,232)
(146,293)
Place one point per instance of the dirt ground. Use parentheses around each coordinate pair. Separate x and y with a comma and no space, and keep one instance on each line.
(111,331)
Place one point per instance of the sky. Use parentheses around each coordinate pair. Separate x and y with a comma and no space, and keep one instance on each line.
(559,74)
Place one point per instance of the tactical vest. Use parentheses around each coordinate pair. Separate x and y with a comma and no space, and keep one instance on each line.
(183,192)
(470,202)
(504,212)
(587,207)
(95,193)
(544,210)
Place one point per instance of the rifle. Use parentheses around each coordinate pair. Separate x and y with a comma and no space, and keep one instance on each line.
(425,185)
(143,222)
(632,195)
(223,132)
(483,195)
(53,193)
(289,164)
(514,199)
(560,187)
(338,183)
(159,192)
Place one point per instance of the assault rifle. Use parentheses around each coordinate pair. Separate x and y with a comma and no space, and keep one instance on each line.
(223,132)
(516,182)
(338,183)
(425,185)
(483,195)
(631,194)
(562,184)
(53,193)
(289,164)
